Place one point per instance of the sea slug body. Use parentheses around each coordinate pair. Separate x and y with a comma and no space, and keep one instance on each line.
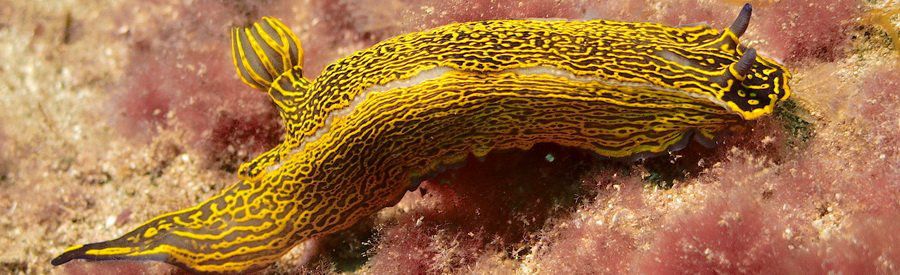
(394,112)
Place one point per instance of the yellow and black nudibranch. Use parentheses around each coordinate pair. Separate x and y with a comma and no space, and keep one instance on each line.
(373,121)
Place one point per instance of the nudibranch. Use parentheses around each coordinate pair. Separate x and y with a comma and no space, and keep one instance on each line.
(387,115)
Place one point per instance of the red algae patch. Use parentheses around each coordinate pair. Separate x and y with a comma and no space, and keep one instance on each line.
(481,208)
(879,107)
(120,267)
(5,156)
(805,29)
(869,248)
(341,27)
(731,234)
(413,248)
(601,237)
(180,75)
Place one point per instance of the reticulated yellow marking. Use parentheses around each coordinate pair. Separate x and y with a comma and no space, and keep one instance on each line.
(373,121)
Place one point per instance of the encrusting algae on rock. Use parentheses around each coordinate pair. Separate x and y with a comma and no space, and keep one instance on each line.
(395,113)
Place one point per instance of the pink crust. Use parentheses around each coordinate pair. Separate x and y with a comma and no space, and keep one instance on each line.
(805,29)
(601,238)
(483,207)
(880,105)
(878,110)
(120,267)
(180,75)
(791,31)
(6,155)
(410,249)
(730,235)
(345,26)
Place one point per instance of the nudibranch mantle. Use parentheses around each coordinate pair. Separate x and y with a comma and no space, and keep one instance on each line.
(371,122)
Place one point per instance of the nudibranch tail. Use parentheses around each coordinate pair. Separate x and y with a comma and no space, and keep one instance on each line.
(264,51)
(234,230)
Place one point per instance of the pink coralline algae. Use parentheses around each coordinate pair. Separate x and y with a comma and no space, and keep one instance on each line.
(345,26)
(180,76)
(4,155)
(460,215)
(798,30)
(599,237)
(729,235)
(879,107)
(792,31)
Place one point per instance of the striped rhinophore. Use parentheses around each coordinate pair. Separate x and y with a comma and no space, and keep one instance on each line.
(404,108)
